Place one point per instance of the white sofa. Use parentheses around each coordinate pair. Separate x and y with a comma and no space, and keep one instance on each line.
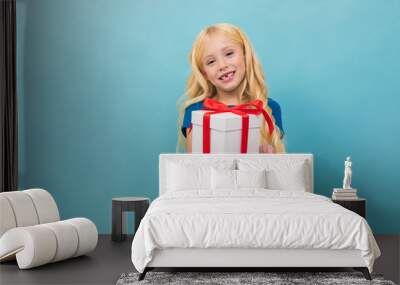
(31,230)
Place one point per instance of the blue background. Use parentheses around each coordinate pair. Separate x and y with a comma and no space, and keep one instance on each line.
(98,81)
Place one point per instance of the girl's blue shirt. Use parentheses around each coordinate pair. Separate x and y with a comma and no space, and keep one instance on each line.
(187,119)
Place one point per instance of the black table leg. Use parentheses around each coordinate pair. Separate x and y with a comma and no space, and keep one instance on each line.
(118,222)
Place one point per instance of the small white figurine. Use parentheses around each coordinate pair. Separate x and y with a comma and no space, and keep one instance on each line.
(347,174)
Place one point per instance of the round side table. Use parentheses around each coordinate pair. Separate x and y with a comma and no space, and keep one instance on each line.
(120,206)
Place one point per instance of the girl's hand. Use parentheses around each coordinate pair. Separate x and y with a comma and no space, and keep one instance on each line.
(266,148)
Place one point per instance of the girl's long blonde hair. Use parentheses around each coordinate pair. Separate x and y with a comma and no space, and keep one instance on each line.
(253,85)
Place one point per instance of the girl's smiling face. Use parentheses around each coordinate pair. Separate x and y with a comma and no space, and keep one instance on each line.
(223,63)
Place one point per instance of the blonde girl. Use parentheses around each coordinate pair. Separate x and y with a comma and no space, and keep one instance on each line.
(225,68)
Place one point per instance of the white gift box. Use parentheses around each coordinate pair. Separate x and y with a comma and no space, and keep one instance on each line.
(225,132)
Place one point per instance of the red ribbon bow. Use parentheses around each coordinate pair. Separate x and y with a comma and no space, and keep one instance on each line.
(254,108)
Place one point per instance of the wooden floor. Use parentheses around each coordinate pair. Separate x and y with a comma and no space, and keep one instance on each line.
(111,259)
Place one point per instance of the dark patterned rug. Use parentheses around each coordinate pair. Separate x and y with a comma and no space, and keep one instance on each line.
(270,278)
